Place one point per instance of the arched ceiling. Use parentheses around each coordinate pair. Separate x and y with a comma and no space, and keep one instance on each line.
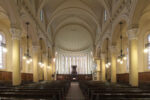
(74,23)
(73,38)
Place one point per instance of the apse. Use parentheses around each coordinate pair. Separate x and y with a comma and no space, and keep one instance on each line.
(73,46)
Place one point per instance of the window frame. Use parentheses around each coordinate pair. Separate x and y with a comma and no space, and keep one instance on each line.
(3,54)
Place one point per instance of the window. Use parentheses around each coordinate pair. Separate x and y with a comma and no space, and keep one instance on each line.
(41,15)
(105,15)
(148,55)
(2,54)
(66,61)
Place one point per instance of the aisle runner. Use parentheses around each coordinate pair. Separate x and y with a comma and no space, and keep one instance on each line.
(75,92)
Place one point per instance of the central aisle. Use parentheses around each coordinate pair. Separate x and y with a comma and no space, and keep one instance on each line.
(74,92)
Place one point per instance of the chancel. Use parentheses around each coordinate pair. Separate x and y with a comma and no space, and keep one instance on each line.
(74,49)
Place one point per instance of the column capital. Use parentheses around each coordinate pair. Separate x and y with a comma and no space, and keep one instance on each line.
(132,33)
(35,48)
(45,55)
(16,33)
(103,55)
(113,49)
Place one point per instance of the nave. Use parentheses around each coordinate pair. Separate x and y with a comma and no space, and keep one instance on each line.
(75,49)
(67,90)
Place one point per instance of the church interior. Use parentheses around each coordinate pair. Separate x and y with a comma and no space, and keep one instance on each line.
(74,49)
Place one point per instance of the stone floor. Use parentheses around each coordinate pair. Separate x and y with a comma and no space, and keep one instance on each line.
(74,92)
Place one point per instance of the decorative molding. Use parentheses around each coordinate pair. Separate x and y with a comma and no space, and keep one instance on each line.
(102,55)
(16,33)
(132,33)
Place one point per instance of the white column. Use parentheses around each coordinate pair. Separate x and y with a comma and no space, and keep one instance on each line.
(35,63)
(113,63)
(103,72)
(45,66)
(59,67)
(16,77)
(133,57)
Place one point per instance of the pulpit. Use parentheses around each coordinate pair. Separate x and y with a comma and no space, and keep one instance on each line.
(74,73)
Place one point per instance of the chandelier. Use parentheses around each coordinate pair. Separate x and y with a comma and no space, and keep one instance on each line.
(122,56)
(41,58)
(107,59)
(27,56)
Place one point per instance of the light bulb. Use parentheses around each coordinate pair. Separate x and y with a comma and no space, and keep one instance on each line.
(107,66)
(145,50)
(118,60)
(121,62)
(5,50)
(40,63)
(54,59)
(28,61)
(48,67)
(109,63)
(125,58)
(24,57)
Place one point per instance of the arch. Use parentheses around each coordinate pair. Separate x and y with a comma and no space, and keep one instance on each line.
(123,18)
(65,9)
(84,25)
(103,43)
(33,31)
(135,16)
(71,24)
(13,14)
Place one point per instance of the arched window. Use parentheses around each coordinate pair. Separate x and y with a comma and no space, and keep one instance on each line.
(105,15)
(2,54)
(148,55)
(41,15)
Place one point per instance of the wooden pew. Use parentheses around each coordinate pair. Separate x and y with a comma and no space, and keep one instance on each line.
(54,90)
(107,91)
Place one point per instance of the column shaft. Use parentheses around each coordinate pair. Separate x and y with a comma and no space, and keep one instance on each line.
(45,67)
(35,65)
(133,76)
(113,68)
(103,73)
(16,62)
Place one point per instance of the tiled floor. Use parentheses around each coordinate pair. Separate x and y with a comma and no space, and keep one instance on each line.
(75,92)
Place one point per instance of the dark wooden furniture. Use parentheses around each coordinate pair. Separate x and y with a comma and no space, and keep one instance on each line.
(69,77)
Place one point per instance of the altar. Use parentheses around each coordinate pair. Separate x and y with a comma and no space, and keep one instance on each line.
(74,73)
(74,76)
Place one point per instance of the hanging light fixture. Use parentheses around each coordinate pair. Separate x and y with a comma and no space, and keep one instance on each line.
(27,56)
(41,62)
(122,56)
(108,63)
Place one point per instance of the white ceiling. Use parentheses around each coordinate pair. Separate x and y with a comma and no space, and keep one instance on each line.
(73,38)
(74,23)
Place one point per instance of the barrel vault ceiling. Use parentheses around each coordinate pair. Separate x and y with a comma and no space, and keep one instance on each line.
(74,24)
